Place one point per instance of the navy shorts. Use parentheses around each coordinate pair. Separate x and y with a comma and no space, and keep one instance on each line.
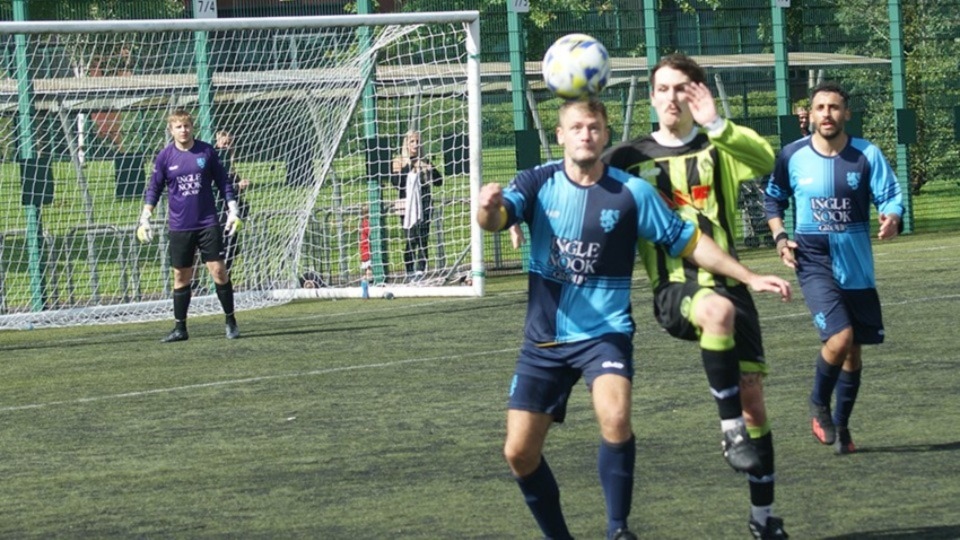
(184,246)
(671,307)
(834,309)
(545,376)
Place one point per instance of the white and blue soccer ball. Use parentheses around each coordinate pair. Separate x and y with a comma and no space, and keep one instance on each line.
(575,66)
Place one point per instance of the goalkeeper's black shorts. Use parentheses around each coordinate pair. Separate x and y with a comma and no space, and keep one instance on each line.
(184,246)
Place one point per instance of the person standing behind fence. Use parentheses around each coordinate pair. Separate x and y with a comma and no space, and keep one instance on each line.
(414,176)
(187,168)
(803,118)
(224,147)
(834,179)
(366,259)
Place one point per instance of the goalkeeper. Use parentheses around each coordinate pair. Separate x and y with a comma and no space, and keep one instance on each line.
(187,168)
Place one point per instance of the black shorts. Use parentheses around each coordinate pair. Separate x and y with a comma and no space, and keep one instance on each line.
(672,307)
(184,245)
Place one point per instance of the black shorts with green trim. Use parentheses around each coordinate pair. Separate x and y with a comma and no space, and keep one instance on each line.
(672,305)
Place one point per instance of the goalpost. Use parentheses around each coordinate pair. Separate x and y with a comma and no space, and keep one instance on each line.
(317,108)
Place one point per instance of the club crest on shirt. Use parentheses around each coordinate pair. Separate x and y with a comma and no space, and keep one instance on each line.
(201,162)
(609,219)
(853,179)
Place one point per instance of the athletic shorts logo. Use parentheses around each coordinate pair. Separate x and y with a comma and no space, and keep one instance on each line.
(608,364)
(820,320)
(685,305)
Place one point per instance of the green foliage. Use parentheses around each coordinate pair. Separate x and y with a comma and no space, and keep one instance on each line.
(930,74)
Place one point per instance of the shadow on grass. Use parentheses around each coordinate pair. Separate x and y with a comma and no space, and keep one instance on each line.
(907,448)
(942,532)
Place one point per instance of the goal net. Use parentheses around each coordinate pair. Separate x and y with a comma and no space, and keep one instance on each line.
(314,116)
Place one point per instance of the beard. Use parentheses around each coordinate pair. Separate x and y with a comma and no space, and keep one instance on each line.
(585,163)
(838,130)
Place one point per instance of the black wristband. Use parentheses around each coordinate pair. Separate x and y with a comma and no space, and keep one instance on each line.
(782,235)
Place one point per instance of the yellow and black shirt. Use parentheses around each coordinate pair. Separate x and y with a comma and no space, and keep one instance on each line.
(700,179)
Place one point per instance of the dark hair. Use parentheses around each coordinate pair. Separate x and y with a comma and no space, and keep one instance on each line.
(682,63)
(590,104)
(831,88)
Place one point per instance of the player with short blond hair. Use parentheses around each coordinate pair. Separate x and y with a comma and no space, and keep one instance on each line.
(187,169)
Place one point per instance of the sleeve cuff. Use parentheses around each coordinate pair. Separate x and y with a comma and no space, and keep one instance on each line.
(714,128)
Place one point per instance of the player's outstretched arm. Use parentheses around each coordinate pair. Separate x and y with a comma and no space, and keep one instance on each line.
(491,215)
(709,256)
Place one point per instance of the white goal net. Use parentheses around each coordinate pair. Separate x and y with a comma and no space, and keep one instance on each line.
(314,116)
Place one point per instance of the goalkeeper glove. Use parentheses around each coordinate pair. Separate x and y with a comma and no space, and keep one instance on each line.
(145,231)
(233,224)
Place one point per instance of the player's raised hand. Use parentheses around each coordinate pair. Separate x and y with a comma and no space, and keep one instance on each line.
(702,106)
(773,284)
(491,196)
(491,201)
(889,226)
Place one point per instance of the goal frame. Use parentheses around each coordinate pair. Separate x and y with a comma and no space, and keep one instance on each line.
(99,314)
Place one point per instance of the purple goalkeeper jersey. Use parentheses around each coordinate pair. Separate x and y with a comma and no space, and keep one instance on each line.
(188,176)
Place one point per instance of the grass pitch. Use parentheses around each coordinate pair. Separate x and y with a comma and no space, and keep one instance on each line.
(347,419)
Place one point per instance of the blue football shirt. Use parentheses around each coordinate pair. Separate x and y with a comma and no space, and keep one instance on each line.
(583,245)
(833,197)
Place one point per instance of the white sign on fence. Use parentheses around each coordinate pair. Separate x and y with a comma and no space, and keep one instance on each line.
(204,9)
(519,6)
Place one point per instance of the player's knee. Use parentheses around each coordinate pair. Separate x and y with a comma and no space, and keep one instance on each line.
(616,427)
(522,461)
(716,314)
(840,344)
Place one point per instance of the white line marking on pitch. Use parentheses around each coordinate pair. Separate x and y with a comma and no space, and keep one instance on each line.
(246,381)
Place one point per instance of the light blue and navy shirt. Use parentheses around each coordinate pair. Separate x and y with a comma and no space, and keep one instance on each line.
(583,245)
(188,176)
(833,196)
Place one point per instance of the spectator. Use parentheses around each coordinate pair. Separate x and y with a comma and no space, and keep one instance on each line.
(414,176)
(803,118)
(225,149)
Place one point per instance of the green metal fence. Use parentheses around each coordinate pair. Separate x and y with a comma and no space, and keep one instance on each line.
(849,42)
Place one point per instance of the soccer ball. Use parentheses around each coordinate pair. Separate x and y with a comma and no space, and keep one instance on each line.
(576,65)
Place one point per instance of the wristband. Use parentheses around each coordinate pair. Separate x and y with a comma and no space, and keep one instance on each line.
(781,239)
